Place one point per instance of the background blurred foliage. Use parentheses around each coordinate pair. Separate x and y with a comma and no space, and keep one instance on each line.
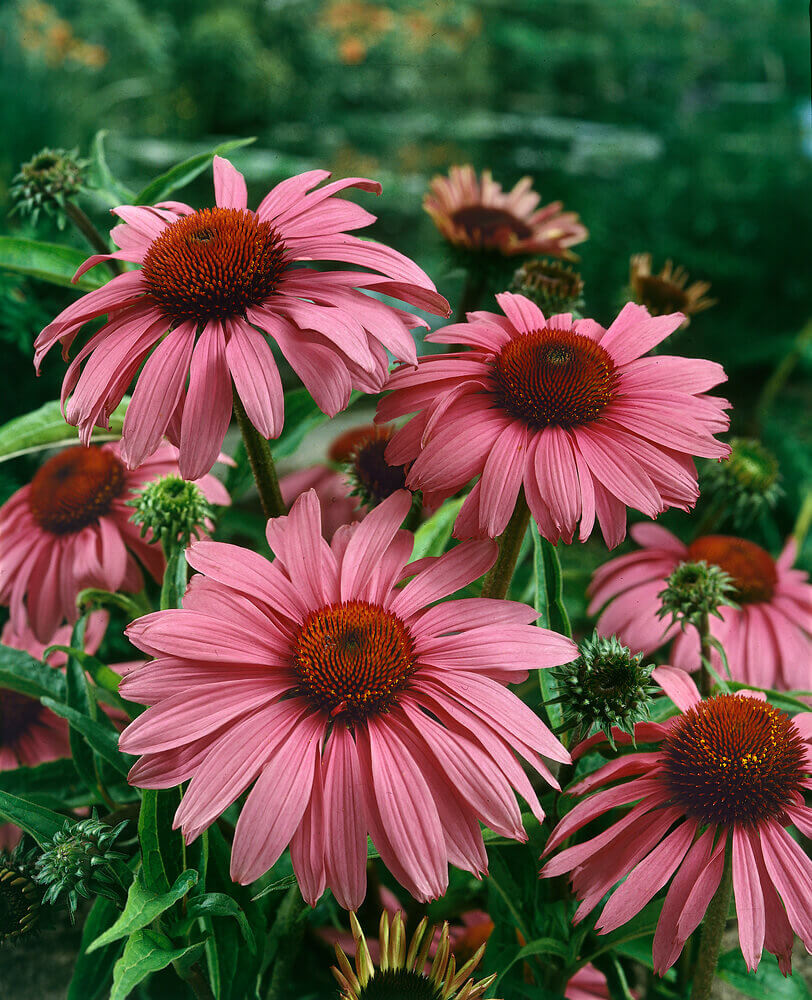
(678,128)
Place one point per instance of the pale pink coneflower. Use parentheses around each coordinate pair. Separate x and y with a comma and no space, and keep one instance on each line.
(475,213)
(574,413)
(210,286)
(353,706)
(766,638)
(728,774)
(70,528)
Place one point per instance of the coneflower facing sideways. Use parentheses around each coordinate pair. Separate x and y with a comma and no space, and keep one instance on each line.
(353,706)
(727,774)
(575,414)
(211,284)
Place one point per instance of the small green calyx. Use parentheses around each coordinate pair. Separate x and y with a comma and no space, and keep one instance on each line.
(553,286)
(47,182)
(174,509)
(20,899)
(695,590)
(605,688)
(79,862)
(745,485)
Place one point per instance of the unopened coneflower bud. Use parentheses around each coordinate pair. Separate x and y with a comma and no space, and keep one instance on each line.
(554,287)
(47,182)
(695,590)
(401,970)
(20,899)
(744,485)
(174,509)
(79,862)
(606,687)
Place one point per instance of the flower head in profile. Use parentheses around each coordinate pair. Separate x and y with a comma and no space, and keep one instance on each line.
(476,214)
(353,706)
(401,969)
(668,291)
(211,285)
(577,415)
(70,528)
(728,774)
(766,636)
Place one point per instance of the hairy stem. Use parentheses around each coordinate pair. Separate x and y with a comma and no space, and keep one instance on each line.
(705,676)
(91,234)
(510,542)
(262,464)
(712,931)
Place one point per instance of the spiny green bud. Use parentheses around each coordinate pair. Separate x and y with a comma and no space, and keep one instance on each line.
(744,485)
(694,590)
(174,509)
(553,286)
(20,898)
(78,862)
(47,182)
(605,687)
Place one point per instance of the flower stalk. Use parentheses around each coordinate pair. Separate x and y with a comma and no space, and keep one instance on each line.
(82,222)
(712,931)
(499,576)
(261,461)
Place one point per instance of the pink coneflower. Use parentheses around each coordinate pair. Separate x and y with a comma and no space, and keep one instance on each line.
(766,640)
(70,528)
(211,284)
(356,707)
(479,215)
(572,412)
(728,773)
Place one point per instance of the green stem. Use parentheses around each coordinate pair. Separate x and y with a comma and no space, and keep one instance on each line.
(196,979)
(262,464)
(472,292)
(499,576)
(91,234)
(712,931)
(776,382)
(705,676)
(287,934)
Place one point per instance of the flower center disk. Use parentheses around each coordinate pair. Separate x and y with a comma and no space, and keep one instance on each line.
(75,488)
(490,226)
(751,568)
(213,264)
(353,658)
(399,984)
(17,714)
(661,296)
(554,377)
(734,760)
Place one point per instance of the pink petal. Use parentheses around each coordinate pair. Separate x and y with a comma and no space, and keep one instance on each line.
(345,836)
(749,899)
(452,571)
(678,685)
(256,377)
(229,185)
(207,410)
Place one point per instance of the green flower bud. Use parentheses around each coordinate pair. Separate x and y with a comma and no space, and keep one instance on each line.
(47,182)
(745,485)
(174,509)
(78,862)
(605,687)
(694,590)
(554,287)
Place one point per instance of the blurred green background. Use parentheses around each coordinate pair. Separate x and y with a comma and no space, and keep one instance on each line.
(681,128)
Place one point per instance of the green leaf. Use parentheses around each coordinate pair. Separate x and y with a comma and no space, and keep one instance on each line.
(92,976)
(540,946)
(21,672)
(143,906)
(642,925)
(39,822)
(46,428)
(766,983)
(51,779)
(79,701)
(102,739)
(432,536)
(105,183)
(301,416)
(184,173)
(47,262)
(100,672)
(217,904)
(147,951)
(161,846)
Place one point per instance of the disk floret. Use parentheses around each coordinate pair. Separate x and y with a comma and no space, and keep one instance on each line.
(47,182)
(79,862)
(695,590)
(174,509)
(555,287)
(20,898)
(606,687)
(401,972)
